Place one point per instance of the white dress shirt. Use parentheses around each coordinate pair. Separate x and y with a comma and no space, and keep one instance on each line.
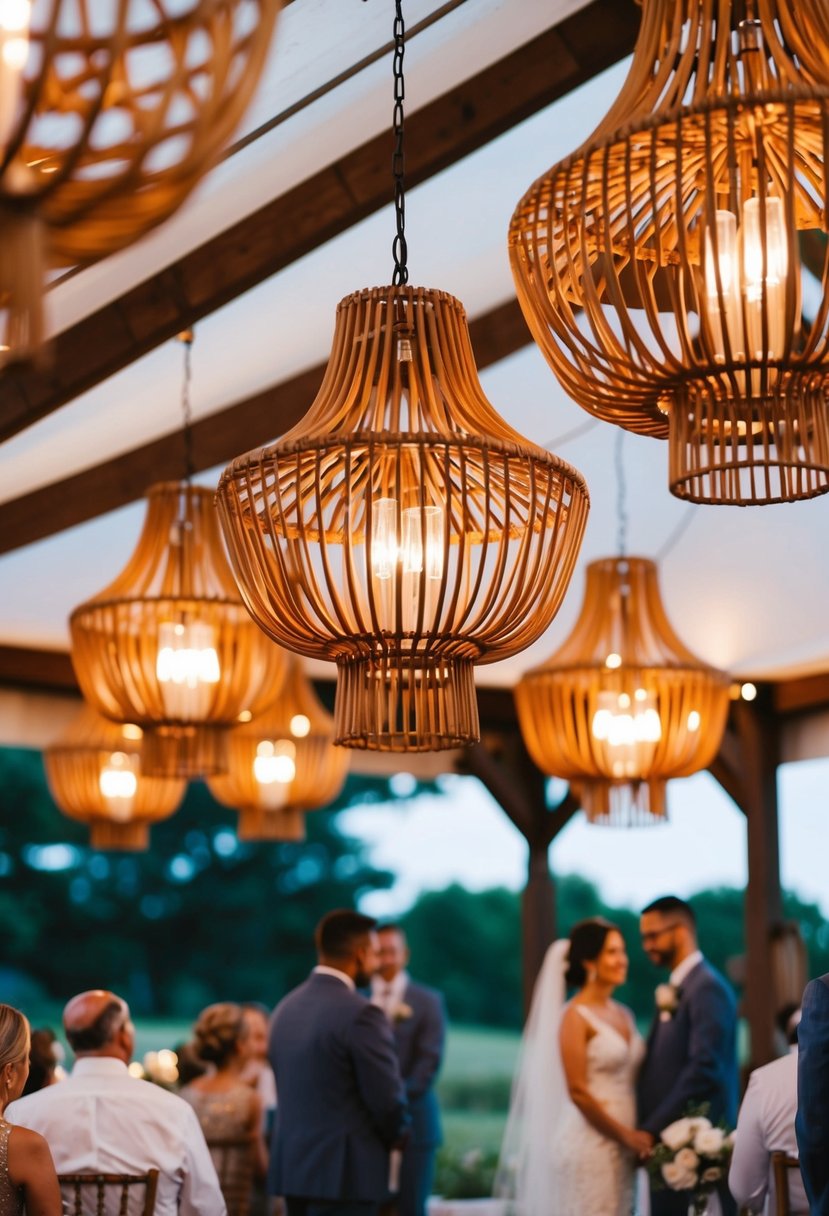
(100,1119)
(766,1125)
(388,994)
(684,969)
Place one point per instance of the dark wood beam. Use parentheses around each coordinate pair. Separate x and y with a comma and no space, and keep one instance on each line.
(218,438)
(338,196)
(37,670)
(802,694)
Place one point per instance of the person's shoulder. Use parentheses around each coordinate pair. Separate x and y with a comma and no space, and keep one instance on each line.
(24,1109)
(28,1150)
(817,989)
(706,975)
(423,992)
(775,1072)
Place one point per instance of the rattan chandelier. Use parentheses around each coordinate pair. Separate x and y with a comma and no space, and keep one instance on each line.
(169,645)
(622,706)
(94,774)
(282,764)
(402,529)
(110,114)
(659,266)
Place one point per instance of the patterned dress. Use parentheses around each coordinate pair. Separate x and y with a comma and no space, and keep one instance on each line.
(226,1117)
(11,1196)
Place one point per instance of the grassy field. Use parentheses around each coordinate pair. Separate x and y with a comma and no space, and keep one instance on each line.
(474,1083)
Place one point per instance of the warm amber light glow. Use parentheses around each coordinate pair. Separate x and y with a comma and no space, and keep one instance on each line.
(15,18)
(300,725)
(748,691)
(119,784)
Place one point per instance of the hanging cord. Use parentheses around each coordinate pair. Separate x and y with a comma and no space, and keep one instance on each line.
(186,338)
(400,251)
(621,495)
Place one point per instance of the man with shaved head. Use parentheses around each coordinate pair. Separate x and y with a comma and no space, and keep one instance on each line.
(102,1120)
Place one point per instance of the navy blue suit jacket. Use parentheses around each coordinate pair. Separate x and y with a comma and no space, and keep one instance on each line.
(693,1057)
(419,1043)
(341,1103)
(812,1122)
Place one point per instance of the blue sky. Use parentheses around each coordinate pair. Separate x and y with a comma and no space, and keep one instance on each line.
(463,836)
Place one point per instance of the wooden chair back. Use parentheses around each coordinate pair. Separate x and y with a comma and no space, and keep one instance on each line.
(782,1165)
(90,1194)
(235,1162)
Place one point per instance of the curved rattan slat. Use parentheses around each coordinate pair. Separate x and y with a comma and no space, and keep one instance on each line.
(177,577)
(622,644)
(629,285)
(74,765)
(124,107)
(330,539)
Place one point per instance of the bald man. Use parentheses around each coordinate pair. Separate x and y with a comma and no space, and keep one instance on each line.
(102,1120)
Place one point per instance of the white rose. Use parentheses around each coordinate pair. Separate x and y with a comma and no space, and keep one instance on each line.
(700,1123)
(678,1134)
(687,1160)
(709,1141)
(714,1174)
(674,1176)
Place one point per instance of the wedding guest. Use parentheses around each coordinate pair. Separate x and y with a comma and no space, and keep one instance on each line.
(812,1124)
(691,1054)
(765,1125)
(27,1173)
(418,1024)
(44,1056)
(102,1120)
(342,1106)
(227,1107)
(258,1071)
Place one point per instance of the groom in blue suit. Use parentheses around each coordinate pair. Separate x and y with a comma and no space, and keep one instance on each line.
(692,1047)
(418,1024)
(812,1123)
(341,1104)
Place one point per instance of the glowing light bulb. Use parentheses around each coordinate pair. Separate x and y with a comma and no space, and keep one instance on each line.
(118,784)
(274,768)
(765,266)
(187,667)
(627,728)
(384,538)
(694,720)
(748,691)
(300,726)
(613,661)
(15,18)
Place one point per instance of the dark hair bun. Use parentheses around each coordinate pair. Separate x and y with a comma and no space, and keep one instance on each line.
(587,940)
(216,1033)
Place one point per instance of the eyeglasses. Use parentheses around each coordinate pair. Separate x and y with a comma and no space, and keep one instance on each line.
(646,937)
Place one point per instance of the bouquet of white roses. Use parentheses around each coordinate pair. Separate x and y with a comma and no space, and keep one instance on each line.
(692,1155)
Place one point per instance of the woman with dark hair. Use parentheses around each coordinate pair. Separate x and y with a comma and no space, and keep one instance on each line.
(228,1109)
(27,1173)
(571,1143)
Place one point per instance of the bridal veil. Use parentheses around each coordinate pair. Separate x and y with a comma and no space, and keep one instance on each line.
(539,1095)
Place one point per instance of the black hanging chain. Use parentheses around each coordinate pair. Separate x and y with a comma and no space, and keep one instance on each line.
(186,338)
(400,251)
(621,496)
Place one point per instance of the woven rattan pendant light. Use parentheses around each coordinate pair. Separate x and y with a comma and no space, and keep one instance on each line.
(110,114)
(402,529)
(94,773)
(659,266)
(623,706)
(169,645)
(282,764)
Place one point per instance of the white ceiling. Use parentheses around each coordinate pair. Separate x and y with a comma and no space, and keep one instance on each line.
(746,589)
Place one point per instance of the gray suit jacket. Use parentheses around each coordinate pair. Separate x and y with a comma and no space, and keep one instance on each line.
(693,1057)
(341,1102)
(419,1043)
(812,1122)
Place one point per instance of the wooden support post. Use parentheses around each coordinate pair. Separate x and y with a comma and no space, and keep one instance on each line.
(746,767)
(520,789)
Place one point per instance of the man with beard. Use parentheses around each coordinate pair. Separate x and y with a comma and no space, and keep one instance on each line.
(342,1105)
(691,1055)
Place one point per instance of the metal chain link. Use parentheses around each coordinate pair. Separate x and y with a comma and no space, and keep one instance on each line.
(400,251)
(186,338)
(621,496)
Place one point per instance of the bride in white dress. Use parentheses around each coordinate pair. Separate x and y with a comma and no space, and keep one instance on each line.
(571,1146)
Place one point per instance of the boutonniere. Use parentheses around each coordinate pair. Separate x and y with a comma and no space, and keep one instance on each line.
(402,1013)
(667,1000)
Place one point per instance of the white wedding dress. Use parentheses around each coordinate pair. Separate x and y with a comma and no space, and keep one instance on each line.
(553,1162)
(590,1173)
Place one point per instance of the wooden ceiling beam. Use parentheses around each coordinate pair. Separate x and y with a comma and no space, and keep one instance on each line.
(467,117)
(247,424)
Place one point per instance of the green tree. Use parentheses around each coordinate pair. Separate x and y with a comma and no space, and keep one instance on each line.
(199,917)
